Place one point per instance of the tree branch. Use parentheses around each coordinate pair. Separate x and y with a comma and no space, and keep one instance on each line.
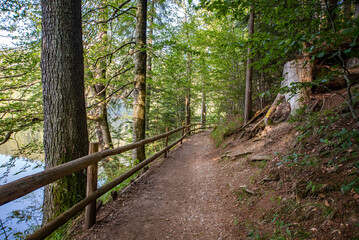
(21,86)
(111,53)
(110,95)
(115,14)
(93,118)
(8,135)
(115,75)
(127,11)
(14,76)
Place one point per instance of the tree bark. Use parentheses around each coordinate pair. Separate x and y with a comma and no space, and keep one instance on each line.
(139,92)
(149,64)
(188,74)
(106,142)
(203,109)
(248,93)
(104,134)
(188,90)
(65,127)
(347,9)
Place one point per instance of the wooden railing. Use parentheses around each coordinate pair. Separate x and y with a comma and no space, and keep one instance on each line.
(25,185)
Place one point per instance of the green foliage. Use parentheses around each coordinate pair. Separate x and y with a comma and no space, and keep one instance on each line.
(297,159)
(312,187)
(283,231)
(353,184)
(334,141)
(201,55)
(226,128)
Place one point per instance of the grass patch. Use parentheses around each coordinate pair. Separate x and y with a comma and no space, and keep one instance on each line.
(225,128)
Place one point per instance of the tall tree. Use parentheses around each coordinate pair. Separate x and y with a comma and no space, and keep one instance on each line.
(149,61)
(99,89)
(188,69)
(203,108)
(65,128)
(248,93)
(139,92)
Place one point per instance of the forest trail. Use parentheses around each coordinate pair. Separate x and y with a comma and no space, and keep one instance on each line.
(184,197)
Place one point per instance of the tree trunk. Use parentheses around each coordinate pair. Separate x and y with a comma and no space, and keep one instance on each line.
(248,93)
(149,64)
(104,134)
(139,92)
(188,90)
(103,119)
(65,127)
(203,109)
(261,90)
(330,6)
(347,9)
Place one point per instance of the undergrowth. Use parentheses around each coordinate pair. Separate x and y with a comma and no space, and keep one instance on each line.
(321,170)
(326,138)
(225,128)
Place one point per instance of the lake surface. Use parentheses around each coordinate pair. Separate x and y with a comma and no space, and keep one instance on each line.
(20,209)
(25,213)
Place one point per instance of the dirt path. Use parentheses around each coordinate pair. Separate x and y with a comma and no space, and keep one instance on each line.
(185,197)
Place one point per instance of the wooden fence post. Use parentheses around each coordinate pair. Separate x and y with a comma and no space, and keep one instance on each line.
(166,142)
(182,134)
(90,213)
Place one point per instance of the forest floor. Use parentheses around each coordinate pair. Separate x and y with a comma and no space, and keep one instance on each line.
(241,190)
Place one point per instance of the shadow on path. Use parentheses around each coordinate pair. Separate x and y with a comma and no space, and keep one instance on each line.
(185,197)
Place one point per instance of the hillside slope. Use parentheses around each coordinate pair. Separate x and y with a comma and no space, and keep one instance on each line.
(297,179)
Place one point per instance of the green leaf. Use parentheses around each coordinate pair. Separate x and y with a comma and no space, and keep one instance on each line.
(347,50)
(356,189)
(320,54)
(353,184)
(335,54)
(347,30)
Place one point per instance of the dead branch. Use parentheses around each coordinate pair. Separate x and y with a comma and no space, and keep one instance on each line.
(256,116)
(126,96)
(115,75)
(110,95)
(347,101)
(8,134)
(111,53)
(14,76)
(18,87)
(127,11)
(115,14)
(104,7)
(18,100)
(7,137)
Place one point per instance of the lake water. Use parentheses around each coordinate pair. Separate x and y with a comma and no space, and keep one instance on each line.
(24,213)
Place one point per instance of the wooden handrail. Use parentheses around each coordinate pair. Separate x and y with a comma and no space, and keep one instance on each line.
(25,185)
(51,226)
